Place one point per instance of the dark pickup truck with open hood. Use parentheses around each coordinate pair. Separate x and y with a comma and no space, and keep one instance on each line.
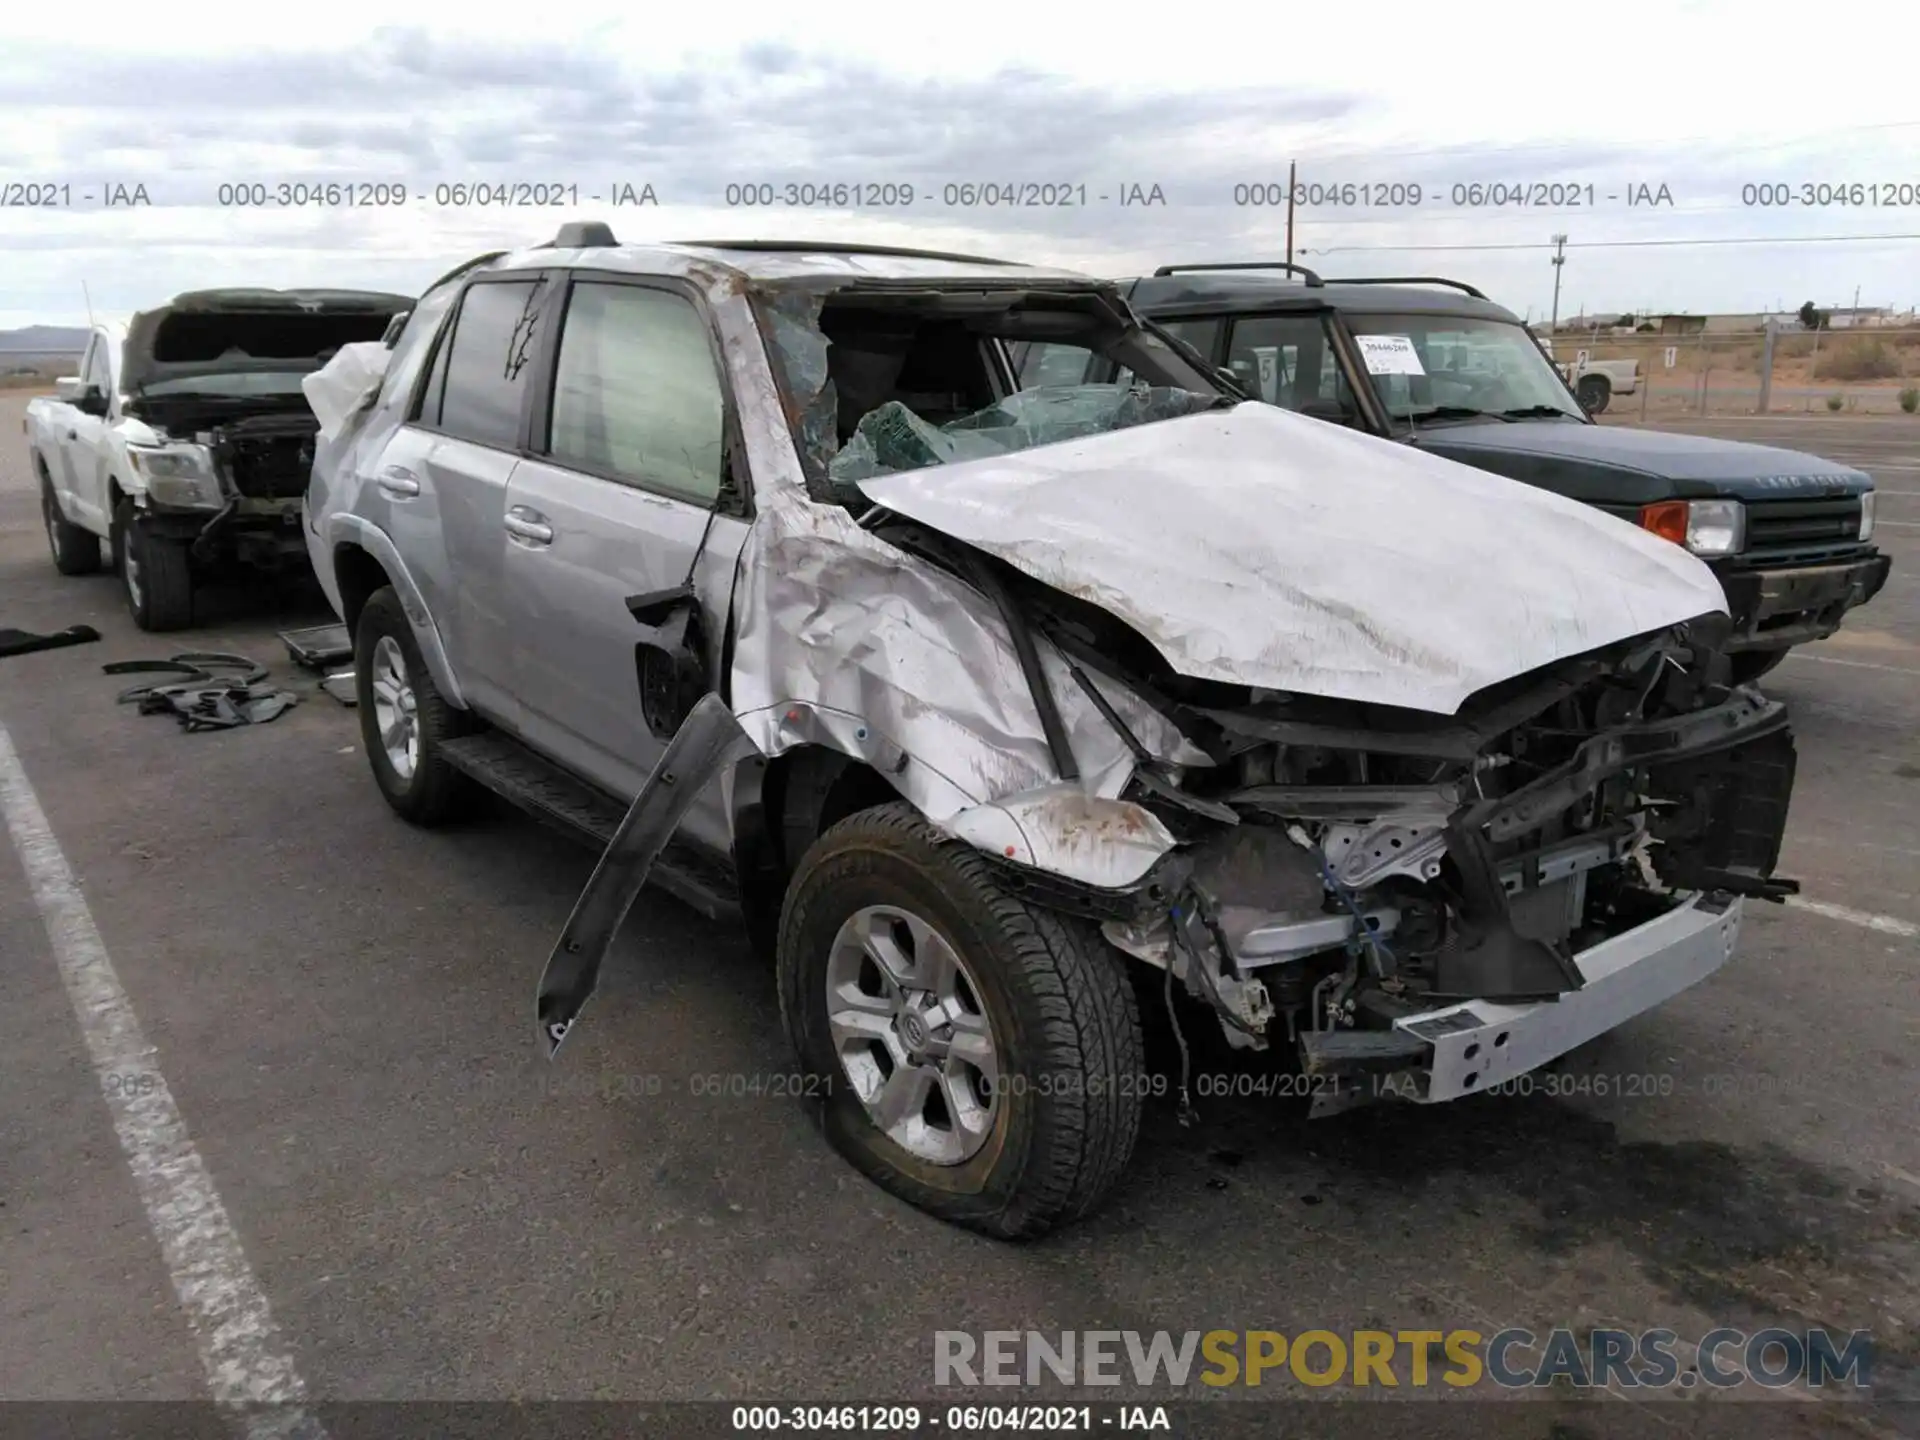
(1436,364)
(185,439)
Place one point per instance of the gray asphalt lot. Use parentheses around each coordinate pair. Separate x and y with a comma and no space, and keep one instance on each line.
(341,1008)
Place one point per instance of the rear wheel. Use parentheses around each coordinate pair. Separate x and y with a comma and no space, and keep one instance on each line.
(156,573)
(75,551)
(974,1055)
(403,717)
(1593,392)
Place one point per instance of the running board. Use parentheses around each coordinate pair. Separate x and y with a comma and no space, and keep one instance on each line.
(571,806)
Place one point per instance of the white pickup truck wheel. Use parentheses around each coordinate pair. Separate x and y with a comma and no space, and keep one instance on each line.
(1593,392)
(156,574)
(75,551)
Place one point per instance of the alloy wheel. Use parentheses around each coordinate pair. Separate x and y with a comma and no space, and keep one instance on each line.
(911,1034)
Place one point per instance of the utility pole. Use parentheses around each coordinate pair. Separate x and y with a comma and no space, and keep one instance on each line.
(1293,170)
(1559,259)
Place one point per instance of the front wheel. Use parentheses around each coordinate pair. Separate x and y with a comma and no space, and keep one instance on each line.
(156,574)
(975,1055)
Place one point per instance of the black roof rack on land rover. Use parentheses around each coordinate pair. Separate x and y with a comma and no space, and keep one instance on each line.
(1305,274)
(1409,280)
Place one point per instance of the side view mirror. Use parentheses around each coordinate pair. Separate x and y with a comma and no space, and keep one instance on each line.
(69,389)
(92,401)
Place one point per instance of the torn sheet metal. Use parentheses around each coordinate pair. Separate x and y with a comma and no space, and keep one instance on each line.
(1064,831)
(1259,547)
(346,383)
(844,639)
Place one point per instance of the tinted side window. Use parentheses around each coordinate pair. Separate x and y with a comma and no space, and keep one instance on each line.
(636,396)
(487,368)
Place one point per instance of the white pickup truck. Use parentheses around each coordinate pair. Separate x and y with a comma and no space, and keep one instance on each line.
(1595,382)
(185,440)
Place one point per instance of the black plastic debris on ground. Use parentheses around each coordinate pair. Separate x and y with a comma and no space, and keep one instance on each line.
(319,647)
(25,642)
(203,698)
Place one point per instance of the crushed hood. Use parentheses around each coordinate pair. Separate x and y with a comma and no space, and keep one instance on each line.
(1263,548)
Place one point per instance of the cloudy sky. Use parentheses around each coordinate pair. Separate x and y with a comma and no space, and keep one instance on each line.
(1701,97)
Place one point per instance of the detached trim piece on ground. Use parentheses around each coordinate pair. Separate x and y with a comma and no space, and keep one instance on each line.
(25,642)
(201,700)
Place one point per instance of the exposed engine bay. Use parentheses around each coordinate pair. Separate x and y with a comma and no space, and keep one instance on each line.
(1345,866)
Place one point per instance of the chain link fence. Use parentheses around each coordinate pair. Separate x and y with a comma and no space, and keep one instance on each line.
(1868,371)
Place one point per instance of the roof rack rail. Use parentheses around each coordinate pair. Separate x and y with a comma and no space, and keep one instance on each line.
(582,235)
(1410,280)
(838,247)
(463,267)
(1307,275)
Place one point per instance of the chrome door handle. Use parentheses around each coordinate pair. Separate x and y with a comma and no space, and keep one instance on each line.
(398,481)
(525,524)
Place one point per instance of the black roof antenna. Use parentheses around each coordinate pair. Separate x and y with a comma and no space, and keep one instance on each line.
(582,235)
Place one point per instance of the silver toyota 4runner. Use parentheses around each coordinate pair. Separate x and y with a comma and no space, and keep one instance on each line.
(753,562)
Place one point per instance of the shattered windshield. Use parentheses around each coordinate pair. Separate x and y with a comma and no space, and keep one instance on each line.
(894,438)
(1450,366)
(880,382)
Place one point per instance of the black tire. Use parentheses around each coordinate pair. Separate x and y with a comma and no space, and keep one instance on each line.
(1593,392)
(435,792)
(1750,665)
(75,551)
(159,585)
(1065,1026)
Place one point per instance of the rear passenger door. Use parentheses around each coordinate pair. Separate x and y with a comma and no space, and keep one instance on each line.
(626,492)
(441,483)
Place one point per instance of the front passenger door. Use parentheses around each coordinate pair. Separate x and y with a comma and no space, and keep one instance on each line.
(625,495)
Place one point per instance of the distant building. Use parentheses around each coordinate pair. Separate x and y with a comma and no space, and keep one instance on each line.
(1680,324)
(1849,317)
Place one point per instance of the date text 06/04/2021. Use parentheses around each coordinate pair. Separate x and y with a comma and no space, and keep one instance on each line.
(951,1419)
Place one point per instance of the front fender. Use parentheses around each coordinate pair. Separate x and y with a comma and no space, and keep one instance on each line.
(349,529)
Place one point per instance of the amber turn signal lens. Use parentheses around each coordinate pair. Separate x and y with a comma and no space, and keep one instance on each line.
(1668,520)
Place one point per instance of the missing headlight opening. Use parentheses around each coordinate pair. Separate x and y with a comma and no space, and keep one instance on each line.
(1389,864)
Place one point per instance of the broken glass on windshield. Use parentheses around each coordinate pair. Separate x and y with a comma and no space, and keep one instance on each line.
(892,438)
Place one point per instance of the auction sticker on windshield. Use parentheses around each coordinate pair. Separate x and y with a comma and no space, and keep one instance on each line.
(1389,355)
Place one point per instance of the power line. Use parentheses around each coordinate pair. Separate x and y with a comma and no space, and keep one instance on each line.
(1619,244)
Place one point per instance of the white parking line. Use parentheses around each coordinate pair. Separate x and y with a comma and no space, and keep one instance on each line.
(1885,924)
(1854,664)
(247,1368)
